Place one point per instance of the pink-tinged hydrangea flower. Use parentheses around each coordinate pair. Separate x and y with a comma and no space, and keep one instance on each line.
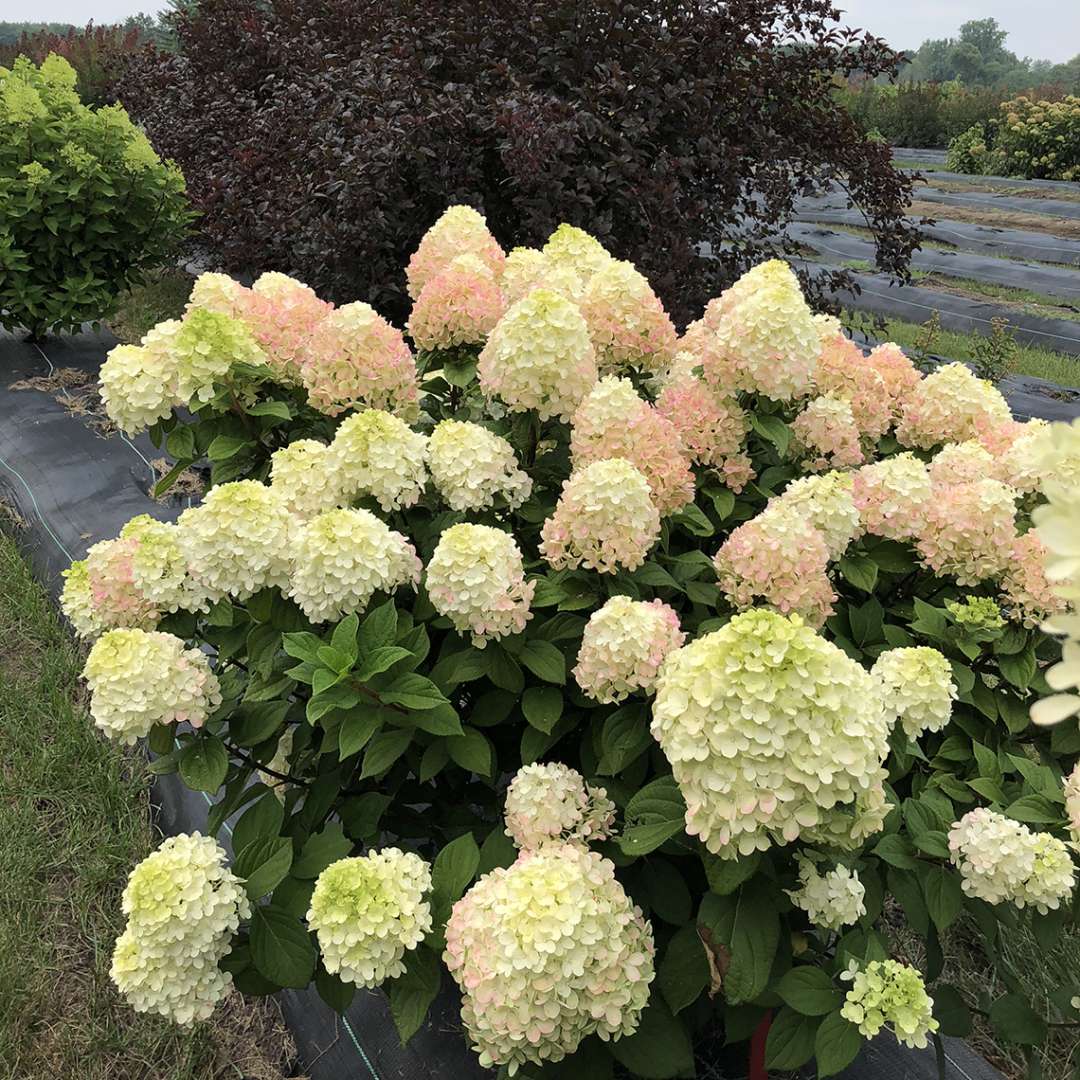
(831,900)
(138,386)
(627,322)
(605,519)
(356,359)
(545,953)
(303,474)
(897,372)
(238,540)
(968,530)
(917,687)
(699,348)
(1037,457)
(552,802)
(183,906)
(523,271)
(1003,861)
(472,466)
(889,994)
(826,436)
(375,453)
(368,912)
(624,644)
(476,579)
(713,429)
(571,248)
(460,230)
(961,463)
(220,293)
(204,350)
(341,558)
(1028,596)
(742,715)
(997,435)
(159,568)
(826,502)
(949,406)
(139,678)
(539,357)
(892,496)
(613,422)
(458,306)
(763,330)
(283,314)
(844,372)
(780,559)
(114,597)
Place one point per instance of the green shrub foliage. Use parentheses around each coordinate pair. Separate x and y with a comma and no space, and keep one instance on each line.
(86,204)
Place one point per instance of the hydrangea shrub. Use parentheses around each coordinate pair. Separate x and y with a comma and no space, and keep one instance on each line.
(615,678)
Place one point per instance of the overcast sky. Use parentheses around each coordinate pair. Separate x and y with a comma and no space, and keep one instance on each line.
(1045,29)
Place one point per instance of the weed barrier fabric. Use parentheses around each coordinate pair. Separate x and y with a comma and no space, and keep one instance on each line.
(73,488)
(992,200)
(1053,281)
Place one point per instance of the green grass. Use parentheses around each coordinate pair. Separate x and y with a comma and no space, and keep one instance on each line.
(162,296)
(1029,359)
(917,166)
(74,819)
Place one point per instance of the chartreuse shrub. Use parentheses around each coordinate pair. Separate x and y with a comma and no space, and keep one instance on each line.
(85,202)
(1029,138)
(625,680)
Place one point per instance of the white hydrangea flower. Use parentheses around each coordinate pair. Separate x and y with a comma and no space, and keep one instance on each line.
(376,453)
(539,356)
(740,714)
(892,496)
(889,994)
(553,802)
(159,566)
(1072,803)
(1001,860)
(918,688)
(217,292)
(138,386)
(547,952)
(303,474)
(624,644)
(831,900)
(569,247)
(139,678)
(237,540)
(77,601)
(368,911)
(204,349)
(477,580)
(827,503)
(471,466)
(183,906)
(950,405)
(342,557)
(605,519)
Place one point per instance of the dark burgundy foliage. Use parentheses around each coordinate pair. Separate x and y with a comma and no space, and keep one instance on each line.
(322,137)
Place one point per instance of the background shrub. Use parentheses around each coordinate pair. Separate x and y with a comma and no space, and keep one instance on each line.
(319,137)
(85,203)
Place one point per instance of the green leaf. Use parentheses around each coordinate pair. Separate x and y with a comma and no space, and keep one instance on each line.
(791,1040)
(281,948)
(659,1049)
(225,447)
(726,875)
(383,750)
(542,706)
(413,691)
(808,990)
(772,429)
(684,969)
(181,443)
(624,738)
(204,763)
(336,993)
(693,520)
(867,622)
(1016,1021)
(412,993)
(1036,809)
(321,850)
(442,720)
(472,751)
(896,851)
(361,814)
(544,660)
(1019,669)
(951,1011)
(944,896)
(263,864)
(170,478)
(378,628)
(303,646)
(654,575)
(748,925)
(503,669)
(496,850)
(667,892)
(861,571)
(262,818)
(255,723)
(653,815)
(357,728)
(344,638)
(454,867)
(279,409)
(836,1045)
(379,660)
